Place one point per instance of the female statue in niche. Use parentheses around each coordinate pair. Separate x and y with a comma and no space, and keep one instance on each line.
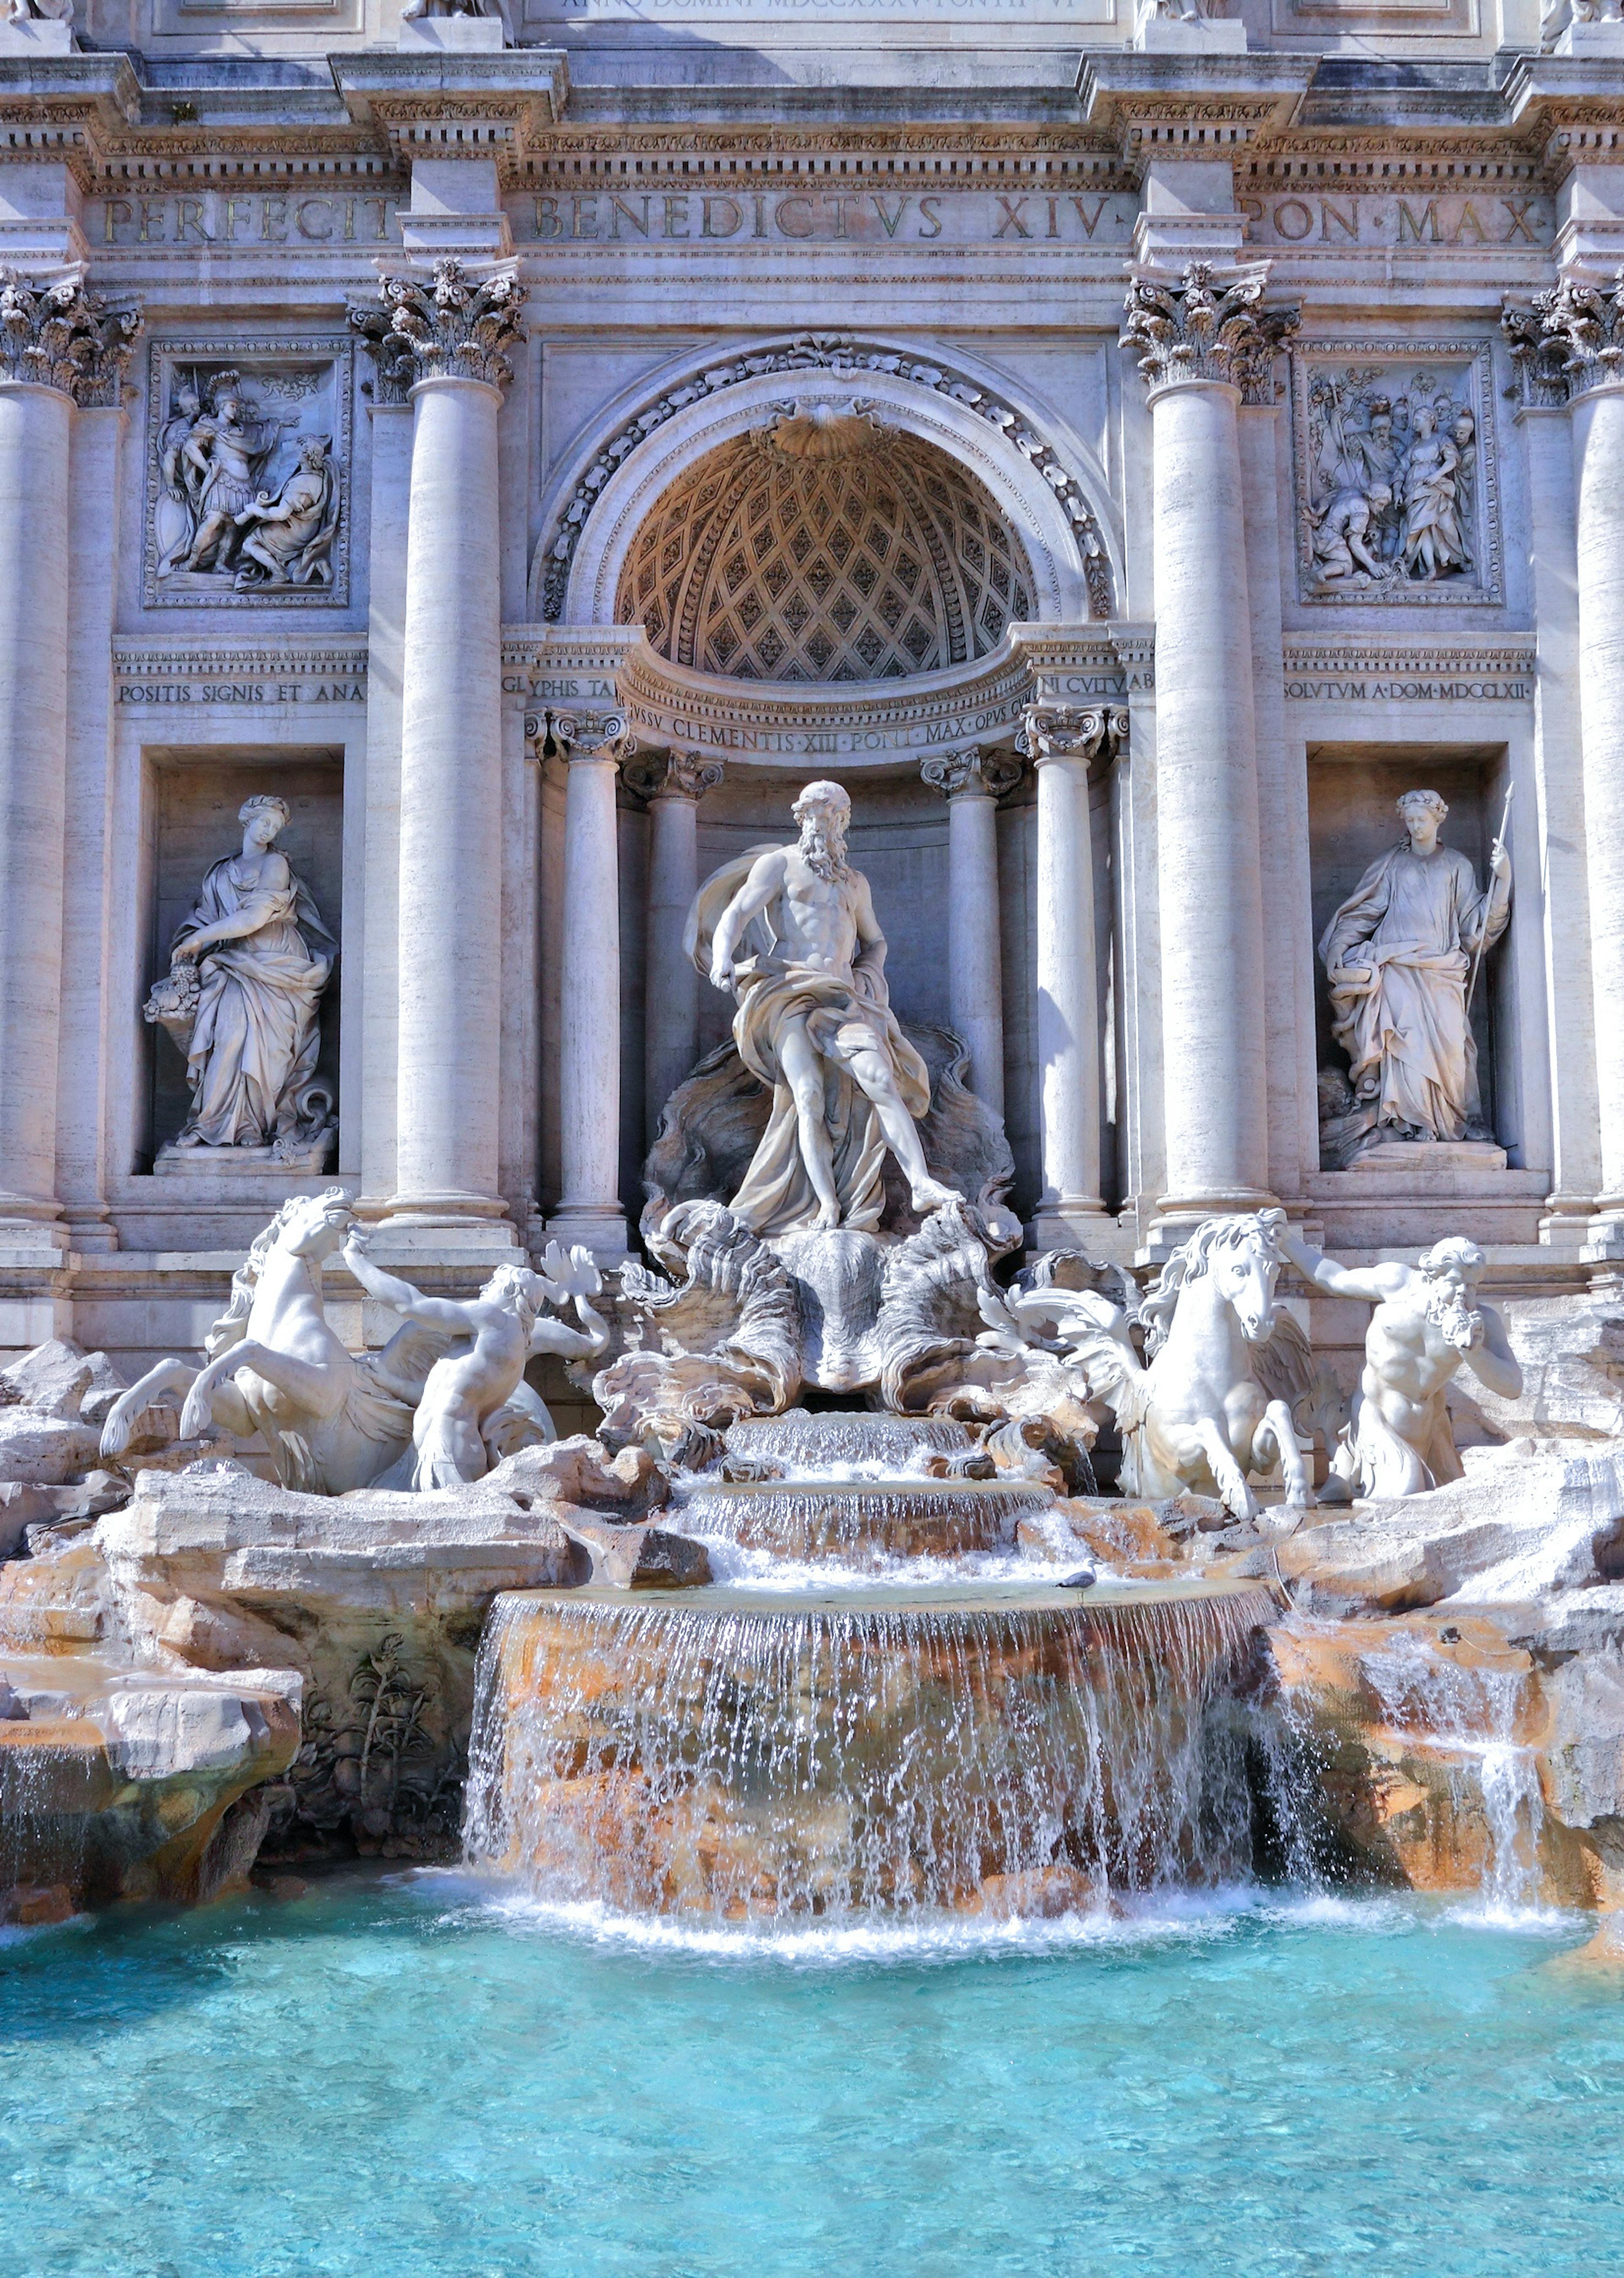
(248,967)
(1398,956)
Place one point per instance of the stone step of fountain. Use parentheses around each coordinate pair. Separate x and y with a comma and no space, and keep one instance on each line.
(869,1523)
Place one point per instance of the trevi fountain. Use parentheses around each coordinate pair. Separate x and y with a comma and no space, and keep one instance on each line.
(811,1137)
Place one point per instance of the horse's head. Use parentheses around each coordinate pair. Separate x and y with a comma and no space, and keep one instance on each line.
(1240,1257)
(313,1226)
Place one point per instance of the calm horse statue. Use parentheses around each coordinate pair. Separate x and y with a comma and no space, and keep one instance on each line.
(330,1419)
(1224,1370)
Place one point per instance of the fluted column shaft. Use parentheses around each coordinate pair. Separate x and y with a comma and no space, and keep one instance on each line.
(589,1210)
(1598,449)
(34,429)
(670,1038)
(972,783)
(1202,337)
(1063,745)
(439,341)
(450,900)
(59,344)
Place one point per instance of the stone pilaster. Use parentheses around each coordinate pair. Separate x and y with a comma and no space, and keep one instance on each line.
(1542,413)
(1064,742)
(1572,340)
(972,783)
(60,346)
(593,745)
(1201,339)
(673,783)
(443,341)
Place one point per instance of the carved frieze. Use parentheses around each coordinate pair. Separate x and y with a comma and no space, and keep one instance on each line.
(247,472)
(1397,480)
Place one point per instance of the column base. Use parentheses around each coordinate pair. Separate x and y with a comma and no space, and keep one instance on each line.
(1177,1217)
(450,1228)
(600,1227)
(1080,1222)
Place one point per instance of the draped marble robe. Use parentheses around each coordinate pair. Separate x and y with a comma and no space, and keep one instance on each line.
(842,1017)
(1396,955)
(255,1035)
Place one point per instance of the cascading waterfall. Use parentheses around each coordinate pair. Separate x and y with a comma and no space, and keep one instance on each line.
(863,1522)
(878,1752)
(1469,1715)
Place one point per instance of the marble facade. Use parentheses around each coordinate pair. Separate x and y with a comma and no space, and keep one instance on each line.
(1125,452)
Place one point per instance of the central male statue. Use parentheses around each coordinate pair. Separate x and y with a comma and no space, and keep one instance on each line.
(791,932)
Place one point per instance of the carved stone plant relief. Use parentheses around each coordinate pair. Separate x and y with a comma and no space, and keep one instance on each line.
(1396,474)
(247,469)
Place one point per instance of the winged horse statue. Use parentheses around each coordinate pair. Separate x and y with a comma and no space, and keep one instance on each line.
(1225,1377)
(330,1419)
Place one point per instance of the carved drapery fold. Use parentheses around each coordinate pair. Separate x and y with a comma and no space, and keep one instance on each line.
(451,326)
(1207,324)
(1570,340)
(64,335)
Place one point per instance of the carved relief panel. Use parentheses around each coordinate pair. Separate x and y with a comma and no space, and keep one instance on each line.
(247,472)
(1397,494)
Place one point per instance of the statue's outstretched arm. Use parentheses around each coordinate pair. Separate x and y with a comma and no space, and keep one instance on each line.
(390,1289)
(1371,1285)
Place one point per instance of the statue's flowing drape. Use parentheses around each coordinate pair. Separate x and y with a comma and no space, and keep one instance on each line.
(254,1038)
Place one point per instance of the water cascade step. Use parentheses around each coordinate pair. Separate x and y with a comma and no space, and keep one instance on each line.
(871,1750)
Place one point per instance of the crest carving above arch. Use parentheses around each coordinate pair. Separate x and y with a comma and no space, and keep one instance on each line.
(576,571)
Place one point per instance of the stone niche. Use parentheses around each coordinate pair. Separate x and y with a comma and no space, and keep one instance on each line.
(1352,822)
(192,801)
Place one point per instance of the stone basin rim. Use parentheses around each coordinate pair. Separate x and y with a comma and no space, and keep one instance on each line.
(926,1599)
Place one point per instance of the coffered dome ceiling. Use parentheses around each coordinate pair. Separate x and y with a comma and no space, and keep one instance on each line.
(825,548)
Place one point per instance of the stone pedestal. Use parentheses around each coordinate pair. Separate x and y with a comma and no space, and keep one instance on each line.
(36,35)
(1208,36)
(457,35)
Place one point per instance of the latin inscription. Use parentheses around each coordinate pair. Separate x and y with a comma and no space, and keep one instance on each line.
(1317,221)
(245,217)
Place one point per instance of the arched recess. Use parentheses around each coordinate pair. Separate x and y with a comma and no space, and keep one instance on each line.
(1056,498)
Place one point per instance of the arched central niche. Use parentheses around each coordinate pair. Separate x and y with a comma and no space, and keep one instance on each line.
(825,547)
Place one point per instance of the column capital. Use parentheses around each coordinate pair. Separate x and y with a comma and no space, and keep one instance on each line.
(64,335)
(450,324)
(583,737)
(971,773)
(1204,324)
(1068,731)
(671,775)
(1568,341)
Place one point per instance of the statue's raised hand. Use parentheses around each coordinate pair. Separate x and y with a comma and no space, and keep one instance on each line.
(569,1274)
(1499,860)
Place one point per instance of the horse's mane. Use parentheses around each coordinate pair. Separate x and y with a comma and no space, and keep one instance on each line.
(245,1280)
(1189,1263)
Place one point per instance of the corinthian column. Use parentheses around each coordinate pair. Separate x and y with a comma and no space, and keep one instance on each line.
(1200,337)
(972,783)
(1583,325)
(1063,744)
(589,1210)
(444,343)
(673,783)
(59,345)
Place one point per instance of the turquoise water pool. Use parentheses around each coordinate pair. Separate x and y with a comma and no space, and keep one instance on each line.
(399,2078)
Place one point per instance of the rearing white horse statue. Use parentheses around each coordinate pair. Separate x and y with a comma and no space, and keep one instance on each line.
(1223,1372)
(330,1419)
